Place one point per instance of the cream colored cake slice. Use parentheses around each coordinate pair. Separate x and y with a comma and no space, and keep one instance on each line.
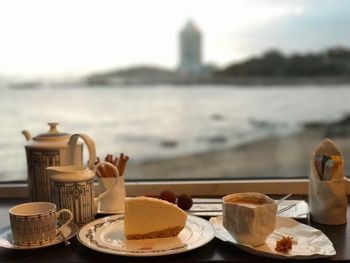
(147,217)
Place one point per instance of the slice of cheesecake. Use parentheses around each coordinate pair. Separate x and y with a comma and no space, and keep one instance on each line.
(147,217)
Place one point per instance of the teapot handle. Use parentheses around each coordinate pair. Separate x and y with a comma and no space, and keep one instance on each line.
(115,181)
(90,145)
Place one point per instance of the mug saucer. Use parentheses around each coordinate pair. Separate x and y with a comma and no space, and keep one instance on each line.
(6,240)
(99,211)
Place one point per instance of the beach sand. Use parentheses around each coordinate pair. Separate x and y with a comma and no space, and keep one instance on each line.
(274,157)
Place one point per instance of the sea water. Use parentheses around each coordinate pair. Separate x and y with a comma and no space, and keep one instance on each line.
(164,121)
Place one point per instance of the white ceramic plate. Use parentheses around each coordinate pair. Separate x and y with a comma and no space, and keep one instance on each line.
(309,242)
(6,239)
(107,235)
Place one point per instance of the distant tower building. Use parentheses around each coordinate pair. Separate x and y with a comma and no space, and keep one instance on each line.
(190,49)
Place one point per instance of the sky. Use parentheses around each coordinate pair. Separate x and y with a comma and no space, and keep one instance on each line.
(72,38)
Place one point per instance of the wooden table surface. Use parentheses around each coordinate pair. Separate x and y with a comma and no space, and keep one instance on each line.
(215,251)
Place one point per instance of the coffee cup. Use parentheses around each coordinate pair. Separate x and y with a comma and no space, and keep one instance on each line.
(35,223)
(249,217)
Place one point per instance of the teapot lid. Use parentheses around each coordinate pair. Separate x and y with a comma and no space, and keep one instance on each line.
(52,135)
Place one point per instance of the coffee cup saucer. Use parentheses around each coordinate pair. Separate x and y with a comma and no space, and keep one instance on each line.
(6,240)
(103,212)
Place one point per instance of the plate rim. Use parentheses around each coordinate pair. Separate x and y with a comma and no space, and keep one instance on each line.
(251,250)
(72,226)
(146,253)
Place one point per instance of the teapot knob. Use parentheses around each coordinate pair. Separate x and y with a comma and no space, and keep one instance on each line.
(53,127)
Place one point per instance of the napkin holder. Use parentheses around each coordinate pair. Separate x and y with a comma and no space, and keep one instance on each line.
(327,198)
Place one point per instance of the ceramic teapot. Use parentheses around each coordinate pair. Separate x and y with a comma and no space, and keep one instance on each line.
(72,187)
(53,148)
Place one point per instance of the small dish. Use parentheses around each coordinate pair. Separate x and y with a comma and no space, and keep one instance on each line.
(107,235)
(310,243)
(6,240)
(99,211)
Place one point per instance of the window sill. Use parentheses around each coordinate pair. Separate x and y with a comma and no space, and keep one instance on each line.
(194,188)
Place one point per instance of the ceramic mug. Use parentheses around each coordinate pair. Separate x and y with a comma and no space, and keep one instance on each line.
(114,200)
(35,223)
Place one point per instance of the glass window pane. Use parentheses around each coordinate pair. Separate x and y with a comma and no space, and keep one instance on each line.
(237,90)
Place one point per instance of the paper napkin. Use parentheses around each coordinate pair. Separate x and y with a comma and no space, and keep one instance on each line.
(327,185)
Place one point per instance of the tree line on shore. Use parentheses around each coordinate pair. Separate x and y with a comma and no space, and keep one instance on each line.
(332,62)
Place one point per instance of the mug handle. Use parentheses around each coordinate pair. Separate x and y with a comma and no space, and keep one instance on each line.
(90,145)
(115,182)
(68,221)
